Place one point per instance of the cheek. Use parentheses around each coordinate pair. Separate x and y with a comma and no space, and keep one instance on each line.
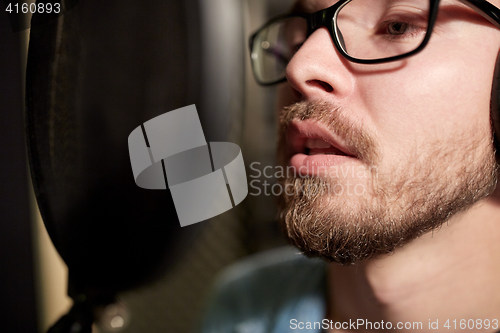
(429,100)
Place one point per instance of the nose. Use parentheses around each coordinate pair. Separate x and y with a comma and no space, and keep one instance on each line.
(318,70)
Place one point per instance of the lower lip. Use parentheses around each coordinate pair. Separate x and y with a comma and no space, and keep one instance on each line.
(315,165)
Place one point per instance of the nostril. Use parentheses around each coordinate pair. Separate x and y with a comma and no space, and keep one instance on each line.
(322,84)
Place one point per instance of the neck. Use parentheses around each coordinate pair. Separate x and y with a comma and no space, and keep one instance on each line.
(449,274)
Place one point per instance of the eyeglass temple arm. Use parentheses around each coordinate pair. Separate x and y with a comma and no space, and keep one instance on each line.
(486,9)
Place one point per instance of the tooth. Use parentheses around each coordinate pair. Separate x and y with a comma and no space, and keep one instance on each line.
(322,144)
(310,143)
(316,143)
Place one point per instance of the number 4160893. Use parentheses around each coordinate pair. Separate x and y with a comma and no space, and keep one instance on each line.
(471,324)
(34,8)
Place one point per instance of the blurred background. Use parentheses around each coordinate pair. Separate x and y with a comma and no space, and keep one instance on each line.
(140,59)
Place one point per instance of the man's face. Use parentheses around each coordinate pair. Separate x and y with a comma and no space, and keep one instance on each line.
(397,148)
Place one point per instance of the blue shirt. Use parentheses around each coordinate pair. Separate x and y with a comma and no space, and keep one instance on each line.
(269,293)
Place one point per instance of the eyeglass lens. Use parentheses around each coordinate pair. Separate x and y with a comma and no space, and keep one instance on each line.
(365,29)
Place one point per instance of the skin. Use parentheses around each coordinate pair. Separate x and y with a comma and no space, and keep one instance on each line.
(451,273)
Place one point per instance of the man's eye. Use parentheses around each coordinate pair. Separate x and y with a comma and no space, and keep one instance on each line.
(397,28)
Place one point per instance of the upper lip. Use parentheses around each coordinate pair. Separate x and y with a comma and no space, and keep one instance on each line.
(301,130)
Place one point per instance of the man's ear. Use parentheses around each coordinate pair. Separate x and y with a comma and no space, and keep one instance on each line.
(495,108)
(495,119)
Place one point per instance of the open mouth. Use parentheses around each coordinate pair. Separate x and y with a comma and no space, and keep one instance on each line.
(312,138)
(313,148)
(317,146)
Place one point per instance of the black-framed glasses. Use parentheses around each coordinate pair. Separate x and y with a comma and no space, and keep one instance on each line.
(363,31)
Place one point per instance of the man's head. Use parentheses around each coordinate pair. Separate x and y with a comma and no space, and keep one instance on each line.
(388,151)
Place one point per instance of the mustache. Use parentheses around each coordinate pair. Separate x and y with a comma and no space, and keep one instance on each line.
(359,141)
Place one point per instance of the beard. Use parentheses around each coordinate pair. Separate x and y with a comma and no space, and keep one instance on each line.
(395,205)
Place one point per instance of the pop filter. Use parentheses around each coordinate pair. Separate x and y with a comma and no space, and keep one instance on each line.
(93,76)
